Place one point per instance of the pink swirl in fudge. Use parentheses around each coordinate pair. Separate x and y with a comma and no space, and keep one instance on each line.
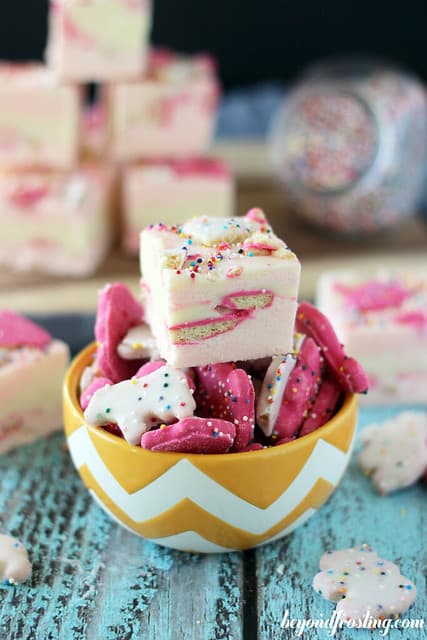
(375,295)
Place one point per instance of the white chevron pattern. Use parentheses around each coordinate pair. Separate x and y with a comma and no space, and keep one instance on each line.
(184,480)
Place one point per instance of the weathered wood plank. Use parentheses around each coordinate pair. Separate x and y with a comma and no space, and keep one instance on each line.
(395,526)
(92,579)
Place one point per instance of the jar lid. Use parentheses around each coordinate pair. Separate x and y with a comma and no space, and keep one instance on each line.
(330,140)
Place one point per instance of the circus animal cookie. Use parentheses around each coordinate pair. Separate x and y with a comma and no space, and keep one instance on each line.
(151,116)
(323,407)
(138,404)
(39,120)
(100,40)
(191,435)
(118,312)
(32,366)
(288,390)
(363,584)
(169,190)
(227,393)
(379,318)
(395,453)
(37,210)
(347,371)
(15,566)
(219,289)
(138,344)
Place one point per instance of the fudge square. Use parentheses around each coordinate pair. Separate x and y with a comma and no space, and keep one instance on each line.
(98,40)
(382,319)
(55,222)
(39,120)
(168,191)
(32,368)
(168,112)
(219,289)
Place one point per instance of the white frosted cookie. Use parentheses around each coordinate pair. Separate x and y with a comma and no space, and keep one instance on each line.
(15,566)
(363,584)
(138,404)
(394,454)
(138,344)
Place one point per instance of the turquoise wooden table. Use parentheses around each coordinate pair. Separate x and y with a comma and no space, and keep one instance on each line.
(93,580)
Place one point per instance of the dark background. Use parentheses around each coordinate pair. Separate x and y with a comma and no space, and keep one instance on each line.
(255,40)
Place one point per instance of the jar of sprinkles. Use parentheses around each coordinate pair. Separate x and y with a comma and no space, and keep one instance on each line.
(350,145)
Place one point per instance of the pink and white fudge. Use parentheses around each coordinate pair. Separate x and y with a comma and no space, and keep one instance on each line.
(55,222)
(32,367)
(219,289)
(169,111)
(98,40)
(383,322)
(169,190)
(39,119)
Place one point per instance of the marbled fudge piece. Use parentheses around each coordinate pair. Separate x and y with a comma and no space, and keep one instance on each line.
(219,289)
(169,111)
(55,222)
(39,120)
(383,322)
(32,367)
(98,40)
(168,191)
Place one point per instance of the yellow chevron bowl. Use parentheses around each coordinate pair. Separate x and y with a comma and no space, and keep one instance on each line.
(207,503)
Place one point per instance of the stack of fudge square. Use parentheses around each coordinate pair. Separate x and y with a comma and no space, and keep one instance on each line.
(60,160)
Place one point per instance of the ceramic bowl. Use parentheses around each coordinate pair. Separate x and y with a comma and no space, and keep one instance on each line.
(207,503)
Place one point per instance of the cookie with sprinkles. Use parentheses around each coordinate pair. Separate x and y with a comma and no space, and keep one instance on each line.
(118,311)
(138,404)
(347,371)
(363,584)
(191,435)
(15,566)
(288,391)
(394,454)
(227,393)
(324,406)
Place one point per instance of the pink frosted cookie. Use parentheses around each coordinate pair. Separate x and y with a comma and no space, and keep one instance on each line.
(139,404)
(15,566)
(227,393)
(323,407)
(348,371)
(149,367)
(118,311)
(17,331)
(363,584)
(254,446)
(97,383)
(288,391)
(395,453)
(192,435)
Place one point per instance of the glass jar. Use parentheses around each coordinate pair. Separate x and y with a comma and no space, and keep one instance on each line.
(350,145)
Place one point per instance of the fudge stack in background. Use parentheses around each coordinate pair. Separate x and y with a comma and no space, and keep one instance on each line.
(59,161)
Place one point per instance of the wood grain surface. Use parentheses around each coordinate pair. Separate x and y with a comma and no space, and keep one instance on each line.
(93,580)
